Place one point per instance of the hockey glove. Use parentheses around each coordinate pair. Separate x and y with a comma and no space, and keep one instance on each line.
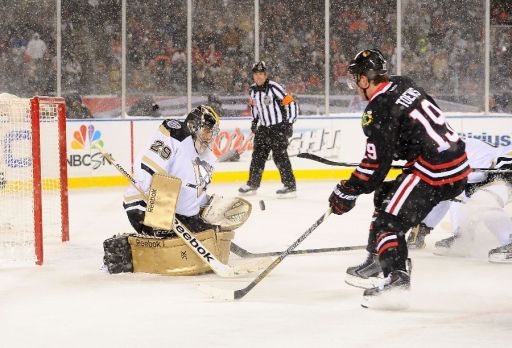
(254,126)
(342,199)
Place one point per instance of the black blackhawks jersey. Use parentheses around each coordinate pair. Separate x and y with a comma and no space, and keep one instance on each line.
(402,122)
(271,105)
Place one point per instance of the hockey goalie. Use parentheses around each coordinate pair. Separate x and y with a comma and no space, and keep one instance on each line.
(174,173)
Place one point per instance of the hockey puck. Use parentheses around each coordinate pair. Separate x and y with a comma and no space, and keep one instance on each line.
(262,205)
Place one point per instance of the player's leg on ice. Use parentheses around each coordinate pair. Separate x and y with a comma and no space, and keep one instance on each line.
(493,198)
(283,164)
(260,155)
(369,273)
(500,224)
(404,206)
(502,254)
(392,253)
(444,246)
(247,189)
(486,205)
(416,238)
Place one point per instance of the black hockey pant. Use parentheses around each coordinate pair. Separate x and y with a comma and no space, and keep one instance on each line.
(399,205)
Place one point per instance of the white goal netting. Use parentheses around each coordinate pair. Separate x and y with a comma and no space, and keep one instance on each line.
(20,158)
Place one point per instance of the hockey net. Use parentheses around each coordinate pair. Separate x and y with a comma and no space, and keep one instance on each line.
(33,177)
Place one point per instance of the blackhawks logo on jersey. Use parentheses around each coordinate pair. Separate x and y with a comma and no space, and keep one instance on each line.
(367,118)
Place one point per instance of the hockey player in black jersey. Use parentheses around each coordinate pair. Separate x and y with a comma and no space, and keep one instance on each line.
(401,122)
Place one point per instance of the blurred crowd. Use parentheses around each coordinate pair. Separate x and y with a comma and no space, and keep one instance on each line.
(445,51)
(442,50)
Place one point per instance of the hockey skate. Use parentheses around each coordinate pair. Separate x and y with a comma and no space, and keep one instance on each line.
(502,254)
(390,294)
(416,238)
(366,275)
(247,190)
(445,247)
(286,192)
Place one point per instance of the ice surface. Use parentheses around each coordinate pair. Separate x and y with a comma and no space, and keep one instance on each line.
(304,302)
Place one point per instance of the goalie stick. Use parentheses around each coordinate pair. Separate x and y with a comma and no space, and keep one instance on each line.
(182,231)
(238,294)
(323,160)
(243,253)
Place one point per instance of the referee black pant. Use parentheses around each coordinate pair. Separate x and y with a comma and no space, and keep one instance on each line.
(272,139)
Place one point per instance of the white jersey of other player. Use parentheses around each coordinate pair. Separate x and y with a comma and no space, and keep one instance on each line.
(480,155)
(171,151)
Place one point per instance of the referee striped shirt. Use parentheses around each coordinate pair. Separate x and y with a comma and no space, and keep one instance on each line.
(271,105)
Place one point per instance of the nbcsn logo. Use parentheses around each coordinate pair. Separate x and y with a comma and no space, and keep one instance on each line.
(82,137)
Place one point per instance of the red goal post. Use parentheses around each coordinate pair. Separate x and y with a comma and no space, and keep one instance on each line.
(33,176)
(38,107)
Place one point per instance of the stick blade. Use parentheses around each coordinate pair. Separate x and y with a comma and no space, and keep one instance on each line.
(238,294)
(217,293)
(250,266)
(303,155)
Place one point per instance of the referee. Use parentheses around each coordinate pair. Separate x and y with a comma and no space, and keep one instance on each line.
(273,114)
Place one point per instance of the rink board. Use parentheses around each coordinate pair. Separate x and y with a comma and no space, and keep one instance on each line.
(338,138)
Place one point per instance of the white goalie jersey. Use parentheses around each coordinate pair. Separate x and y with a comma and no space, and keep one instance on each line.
(480,155)
(171,151)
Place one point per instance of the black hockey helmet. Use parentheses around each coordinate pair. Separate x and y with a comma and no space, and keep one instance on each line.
(370,63)
(202,116)
(203,124)
(259,67)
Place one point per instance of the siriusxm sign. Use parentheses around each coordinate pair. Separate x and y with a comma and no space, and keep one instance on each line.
(494,139)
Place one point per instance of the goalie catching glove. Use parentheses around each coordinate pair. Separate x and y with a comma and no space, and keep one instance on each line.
(228,213)
(342,199)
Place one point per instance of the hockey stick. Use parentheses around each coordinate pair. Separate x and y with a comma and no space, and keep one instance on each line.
(181,230)
(243,253)
(313,157)
(238,294)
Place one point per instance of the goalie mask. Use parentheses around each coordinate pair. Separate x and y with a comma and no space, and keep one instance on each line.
(203,123)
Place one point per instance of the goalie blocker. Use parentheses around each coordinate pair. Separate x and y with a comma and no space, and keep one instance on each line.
(170,255)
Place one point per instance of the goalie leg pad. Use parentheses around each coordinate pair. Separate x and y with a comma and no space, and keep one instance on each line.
(118,255)
(173,257)
(162,200)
